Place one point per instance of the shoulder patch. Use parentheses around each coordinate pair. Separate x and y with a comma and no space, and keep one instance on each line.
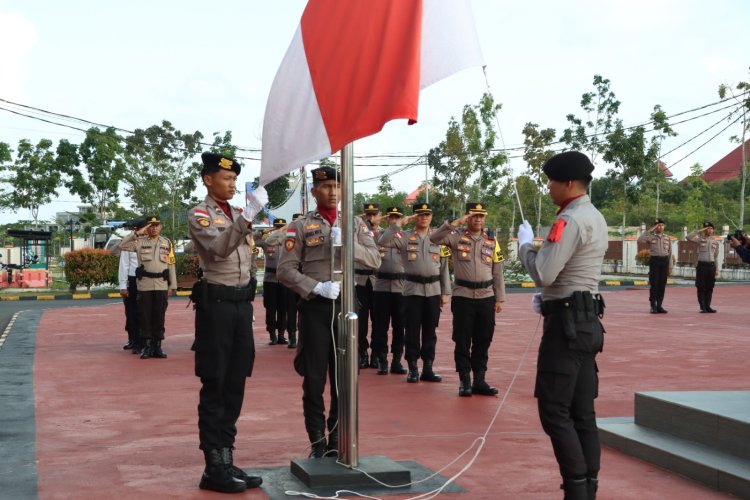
(289,244)
(204,221)
(556,232)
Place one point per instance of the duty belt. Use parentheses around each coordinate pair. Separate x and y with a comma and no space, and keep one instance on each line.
(706,263)
(423,279)
(364,272)
(390,276)
(474,285)
(270,269)
(557,306)
(146,274)
(229,293)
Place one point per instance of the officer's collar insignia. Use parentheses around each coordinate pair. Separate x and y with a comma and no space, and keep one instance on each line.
(226,163)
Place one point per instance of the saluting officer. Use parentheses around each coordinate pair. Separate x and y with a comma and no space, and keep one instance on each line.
(310,265)
(567,268)
(426,289)
(224,348)
(706,270)
(659,263)
(388,305)
(292,306)
(275,294)
(365,279)
(478,294)
(156,278)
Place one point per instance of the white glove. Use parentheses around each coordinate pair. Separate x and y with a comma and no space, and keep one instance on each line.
(536,303)
(525,234)
(328,289)
(255,203)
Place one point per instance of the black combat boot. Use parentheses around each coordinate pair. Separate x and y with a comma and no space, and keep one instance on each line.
(427,374)
(128,346)
(373,361)
(317,444)
(156,352)
(707,301)
(413,376)
(382,365)
(332,449)
(216,476)
(482,387)
(236,472)
(464,389)
(660,309)
(653,307)
(592,484)
(148,349)
(575,489)
(396,366)
(281,340)
(292,340)
(363,362)
(138,346)
(272,335)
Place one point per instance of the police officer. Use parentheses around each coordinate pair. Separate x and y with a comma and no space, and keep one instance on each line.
(365,279)
(156,278)
(310,265)
(275,296)
(388,305)
(224,348)
(478,294)
(426,288)
(129,293)
(567,268)
(706,270)
(292,306)
(659,263)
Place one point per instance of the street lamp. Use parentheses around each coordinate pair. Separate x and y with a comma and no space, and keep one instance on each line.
(72,227)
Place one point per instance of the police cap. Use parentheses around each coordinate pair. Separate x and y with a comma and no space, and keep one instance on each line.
(213,162)
(476,208)
(296,216)
(279,222)
(371,208)
(394,211)
(152,219)
(421,208)
(659,221)
(709,224)
(569,166)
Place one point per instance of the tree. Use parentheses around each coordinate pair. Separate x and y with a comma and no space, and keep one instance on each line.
(102,154)
(537,151)
(162,174)
(466,158)
(744,101)
(36,174)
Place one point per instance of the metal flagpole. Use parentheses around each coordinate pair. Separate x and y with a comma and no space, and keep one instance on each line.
(346,356)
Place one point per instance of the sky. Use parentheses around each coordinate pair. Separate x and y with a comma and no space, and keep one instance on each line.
(208,66)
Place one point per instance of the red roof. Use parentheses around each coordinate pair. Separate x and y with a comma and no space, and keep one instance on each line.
(411,198)
(728,167)
(664,169)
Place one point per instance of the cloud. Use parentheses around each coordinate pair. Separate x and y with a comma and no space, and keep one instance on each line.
(17,39)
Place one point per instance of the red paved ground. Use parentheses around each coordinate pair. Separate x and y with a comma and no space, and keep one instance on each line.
(110,424)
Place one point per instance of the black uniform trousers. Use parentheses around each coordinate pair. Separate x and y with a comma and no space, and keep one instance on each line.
(658,270)
(365,313)
(389,309)
(705,279)
(473,329)
(291,310)
(566,386)
(131,312)
(224,358)
(275,298)
(316,359)
(422,316)
(152,307)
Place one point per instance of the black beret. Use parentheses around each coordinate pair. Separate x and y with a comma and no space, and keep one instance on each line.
(709,224)
(371,208)
(324,174)
(421,208)
(568,166)
(394,211)
(659,221)
(213,162)
(476,208)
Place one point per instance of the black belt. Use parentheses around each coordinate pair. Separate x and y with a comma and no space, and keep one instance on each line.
(270,270)
(146,274)
(364,272)
(390,276)
(660,256)
(550,307)
(423,279)
(474,285)
(229,293)
(706,263)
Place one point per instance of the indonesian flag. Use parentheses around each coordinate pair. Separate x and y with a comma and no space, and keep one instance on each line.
(354,65)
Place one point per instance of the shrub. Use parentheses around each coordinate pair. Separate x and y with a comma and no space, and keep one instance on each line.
(643,256)
(186,265)
(90,266)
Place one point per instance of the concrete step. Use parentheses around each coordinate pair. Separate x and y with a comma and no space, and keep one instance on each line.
(719,419)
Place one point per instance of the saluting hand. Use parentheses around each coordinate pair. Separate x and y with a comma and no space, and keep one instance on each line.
(460,221)
(404,220)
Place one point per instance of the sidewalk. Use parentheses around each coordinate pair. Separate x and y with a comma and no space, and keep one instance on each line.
(107,423)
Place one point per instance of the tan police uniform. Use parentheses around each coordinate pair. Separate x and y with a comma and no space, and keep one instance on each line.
(659,264)
(706,270)
(276,297)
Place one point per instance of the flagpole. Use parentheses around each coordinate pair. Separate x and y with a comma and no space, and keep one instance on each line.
(348,372)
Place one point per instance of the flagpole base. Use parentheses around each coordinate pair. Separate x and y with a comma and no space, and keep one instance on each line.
(326,472)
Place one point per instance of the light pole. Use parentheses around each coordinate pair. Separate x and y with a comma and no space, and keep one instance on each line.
(72,226)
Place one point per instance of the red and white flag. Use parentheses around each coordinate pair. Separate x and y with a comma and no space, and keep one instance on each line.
(352,66)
